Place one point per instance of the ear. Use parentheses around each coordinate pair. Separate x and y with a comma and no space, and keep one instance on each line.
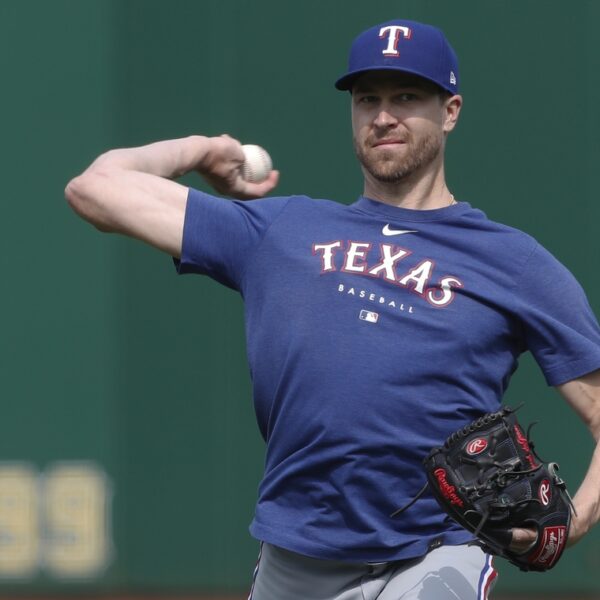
(452,106)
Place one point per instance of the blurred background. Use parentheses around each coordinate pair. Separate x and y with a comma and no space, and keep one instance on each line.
(129,453)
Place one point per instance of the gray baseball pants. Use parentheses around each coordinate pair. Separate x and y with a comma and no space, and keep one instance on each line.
(446,573)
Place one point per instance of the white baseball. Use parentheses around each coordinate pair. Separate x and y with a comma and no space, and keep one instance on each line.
(257,164)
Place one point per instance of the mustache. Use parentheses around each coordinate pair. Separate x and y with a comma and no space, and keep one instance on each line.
(372,141)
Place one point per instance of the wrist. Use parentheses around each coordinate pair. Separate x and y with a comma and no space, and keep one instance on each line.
(581,523)
(194,153)
(218,155)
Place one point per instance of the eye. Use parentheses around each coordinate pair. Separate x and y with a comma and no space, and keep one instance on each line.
(406,97)
(367,99)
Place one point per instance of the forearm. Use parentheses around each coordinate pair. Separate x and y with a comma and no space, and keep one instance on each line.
(583,394)
(587,500)
(168,159)
(130,190)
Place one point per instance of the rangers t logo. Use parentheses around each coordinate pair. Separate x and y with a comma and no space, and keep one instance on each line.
(393,37)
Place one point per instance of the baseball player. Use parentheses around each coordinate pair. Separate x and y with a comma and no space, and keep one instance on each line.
(374,330)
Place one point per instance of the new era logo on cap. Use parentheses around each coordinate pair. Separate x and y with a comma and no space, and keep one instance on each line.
(406,46)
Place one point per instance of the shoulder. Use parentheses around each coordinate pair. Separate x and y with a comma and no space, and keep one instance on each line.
(500,233)
(509,250)
(298,202)
(506,244)
(316,204)
(496,232)
(295,206)
(535,266)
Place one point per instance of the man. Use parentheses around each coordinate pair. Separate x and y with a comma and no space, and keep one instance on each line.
(374,330)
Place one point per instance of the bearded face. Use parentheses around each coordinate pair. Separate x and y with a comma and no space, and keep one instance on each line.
(398,125)
(393,162)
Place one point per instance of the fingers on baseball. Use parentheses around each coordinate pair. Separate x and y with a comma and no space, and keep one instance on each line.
(258,190)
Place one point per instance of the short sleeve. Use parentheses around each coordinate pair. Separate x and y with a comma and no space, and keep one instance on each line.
(560,328)
(220,235)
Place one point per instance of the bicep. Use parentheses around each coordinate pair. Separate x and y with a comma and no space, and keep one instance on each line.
(583,395)
(139,205)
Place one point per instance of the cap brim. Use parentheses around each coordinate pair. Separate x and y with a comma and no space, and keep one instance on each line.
(346,82)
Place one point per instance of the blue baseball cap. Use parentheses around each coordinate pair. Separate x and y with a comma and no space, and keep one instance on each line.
(406,46)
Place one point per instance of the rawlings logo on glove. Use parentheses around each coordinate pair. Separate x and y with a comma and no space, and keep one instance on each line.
(487,478)
(447,490)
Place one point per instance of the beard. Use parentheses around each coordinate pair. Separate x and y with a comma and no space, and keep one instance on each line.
(390,166)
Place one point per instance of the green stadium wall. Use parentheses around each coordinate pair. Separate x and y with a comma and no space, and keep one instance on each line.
(111,360)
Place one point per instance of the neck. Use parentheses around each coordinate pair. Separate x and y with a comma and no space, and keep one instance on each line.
(417,191)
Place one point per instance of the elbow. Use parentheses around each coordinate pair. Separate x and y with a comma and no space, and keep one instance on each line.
(80,194)
(592,422)
(594,427)
(74,194)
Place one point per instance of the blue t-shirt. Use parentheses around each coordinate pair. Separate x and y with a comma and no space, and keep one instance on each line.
(373,332)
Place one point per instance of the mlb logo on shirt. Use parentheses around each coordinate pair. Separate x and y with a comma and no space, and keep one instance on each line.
(367,315)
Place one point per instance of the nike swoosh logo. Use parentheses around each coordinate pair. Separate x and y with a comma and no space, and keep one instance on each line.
(387,231)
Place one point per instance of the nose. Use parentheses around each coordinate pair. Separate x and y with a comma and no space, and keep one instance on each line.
(385,119)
